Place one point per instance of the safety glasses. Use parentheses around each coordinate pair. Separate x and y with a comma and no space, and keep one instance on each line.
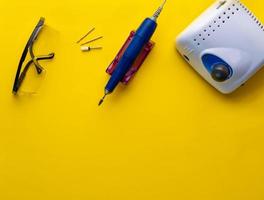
(20,76)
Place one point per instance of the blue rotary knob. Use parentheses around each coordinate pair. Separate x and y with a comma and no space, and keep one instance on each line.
(219,70)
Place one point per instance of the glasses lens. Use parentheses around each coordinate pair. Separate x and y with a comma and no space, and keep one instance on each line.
(33,79)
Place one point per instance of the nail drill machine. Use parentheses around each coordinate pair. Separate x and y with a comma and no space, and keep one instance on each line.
(225,45)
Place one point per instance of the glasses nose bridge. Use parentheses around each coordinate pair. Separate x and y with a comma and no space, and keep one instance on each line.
(37,65)
(35,59)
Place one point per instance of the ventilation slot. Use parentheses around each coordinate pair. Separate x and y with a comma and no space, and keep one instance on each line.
(222,19)
(255,19)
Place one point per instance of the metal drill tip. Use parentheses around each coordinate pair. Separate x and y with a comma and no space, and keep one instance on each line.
(163,4)
(85,35)
(101,101)
(157,13)
(93,40)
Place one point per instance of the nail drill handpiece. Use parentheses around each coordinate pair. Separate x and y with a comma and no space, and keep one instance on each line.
(142,36)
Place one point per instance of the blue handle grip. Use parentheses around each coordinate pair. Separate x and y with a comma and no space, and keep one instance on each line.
(142,36)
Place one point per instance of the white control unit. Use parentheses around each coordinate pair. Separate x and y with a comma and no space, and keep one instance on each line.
(225,45)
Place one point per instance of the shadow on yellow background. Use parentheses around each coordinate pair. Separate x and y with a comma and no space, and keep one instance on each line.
(167,135)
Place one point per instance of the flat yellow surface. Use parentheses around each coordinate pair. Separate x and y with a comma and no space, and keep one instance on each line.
(166,136)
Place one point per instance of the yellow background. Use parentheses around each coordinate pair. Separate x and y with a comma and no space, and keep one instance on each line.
(168,135)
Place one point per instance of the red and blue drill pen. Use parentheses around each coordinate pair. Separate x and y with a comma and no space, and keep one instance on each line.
(140,39)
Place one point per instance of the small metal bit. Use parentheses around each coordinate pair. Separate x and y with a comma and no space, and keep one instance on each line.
(90,48)
(221,3)
(85,35)
(157,13)
(102,100)
(93,40)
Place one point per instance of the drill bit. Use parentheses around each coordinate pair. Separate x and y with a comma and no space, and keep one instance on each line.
(85,35)
(93,40)
(157,13)
(102,100)
(90,48)
(221,3)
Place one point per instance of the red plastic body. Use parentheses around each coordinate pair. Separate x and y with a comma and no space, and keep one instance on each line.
(138,62)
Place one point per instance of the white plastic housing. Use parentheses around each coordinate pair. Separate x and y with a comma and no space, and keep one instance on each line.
(231,32)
